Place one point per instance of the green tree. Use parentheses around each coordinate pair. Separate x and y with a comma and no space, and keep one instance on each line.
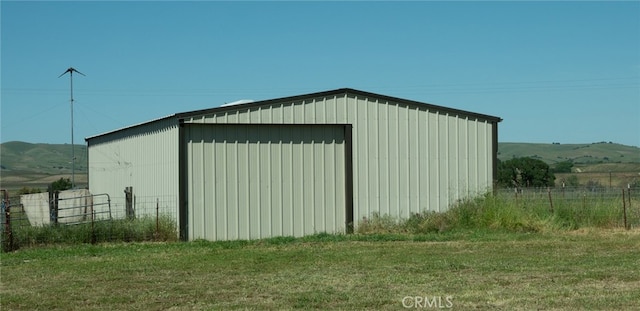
(563,167)
(61,184)
(525,172)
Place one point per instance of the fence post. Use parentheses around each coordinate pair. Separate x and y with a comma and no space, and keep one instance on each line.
(157,217)
(53,206)
(624,210)
(6,210)
(50,193)
(550,200)
(629,193)
(128,192)
(93,231)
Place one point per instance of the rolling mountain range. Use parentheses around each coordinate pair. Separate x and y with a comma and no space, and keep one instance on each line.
(594,153)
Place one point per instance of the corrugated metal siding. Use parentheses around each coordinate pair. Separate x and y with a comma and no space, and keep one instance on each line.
(144,157)
(256,181)
(406,158)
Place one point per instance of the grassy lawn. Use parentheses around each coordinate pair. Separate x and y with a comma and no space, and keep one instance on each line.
(489,270)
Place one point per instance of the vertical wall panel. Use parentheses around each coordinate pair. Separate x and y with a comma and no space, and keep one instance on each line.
(401,209)
(414,160)
(383,159)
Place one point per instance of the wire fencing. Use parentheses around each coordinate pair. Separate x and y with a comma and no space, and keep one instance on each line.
(81,217)
(604,207)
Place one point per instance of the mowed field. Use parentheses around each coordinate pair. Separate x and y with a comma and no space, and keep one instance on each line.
(571,270)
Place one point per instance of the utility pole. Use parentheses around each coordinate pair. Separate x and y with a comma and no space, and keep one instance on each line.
(71,70)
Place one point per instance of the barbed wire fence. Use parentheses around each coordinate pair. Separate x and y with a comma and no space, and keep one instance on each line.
(605,207)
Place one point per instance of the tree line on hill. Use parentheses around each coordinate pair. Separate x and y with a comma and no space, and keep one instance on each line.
(58,185)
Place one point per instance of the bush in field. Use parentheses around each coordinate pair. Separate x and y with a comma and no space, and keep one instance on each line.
(525,172)
(61,184)
(378,224)
(563,167)
(430,222)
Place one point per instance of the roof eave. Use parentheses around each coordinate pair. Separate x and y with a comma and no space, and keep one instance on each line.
(86,139)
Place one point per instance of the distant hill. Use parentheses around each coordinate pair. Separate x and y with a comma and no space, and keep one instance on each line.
(41,158)
(34,166)
(595,153)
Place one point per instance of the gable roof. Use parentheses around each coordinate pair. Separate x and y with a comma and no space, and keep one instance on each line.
(341,91)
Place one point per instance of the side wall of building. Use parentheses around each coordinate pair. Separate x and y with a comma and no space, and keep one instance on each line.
(143,157)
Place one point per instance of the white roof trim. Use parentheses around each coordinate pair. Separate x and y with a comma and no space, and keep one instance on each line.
(238,102)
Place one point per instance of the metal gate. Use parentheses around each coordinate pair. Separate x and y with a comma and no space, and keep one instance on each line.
(80,209)
(63,210)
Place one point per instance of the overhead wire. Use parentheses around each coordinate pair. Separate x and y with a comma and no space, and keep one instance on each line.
(472,87)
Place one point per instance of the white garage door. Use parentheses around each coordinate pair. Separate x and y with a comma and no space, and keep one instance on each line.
(251,181)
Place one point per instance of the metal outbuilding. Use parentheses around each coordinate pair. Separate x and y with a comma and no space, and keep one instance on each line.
(298,165)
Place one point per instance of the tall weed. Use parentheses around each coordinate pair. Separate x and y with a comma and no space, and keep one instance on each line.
(505,213)
(127,230)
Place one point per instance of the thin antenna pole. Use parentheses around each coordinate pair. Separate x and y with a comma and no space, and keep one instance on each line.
(73,153)
(71,70)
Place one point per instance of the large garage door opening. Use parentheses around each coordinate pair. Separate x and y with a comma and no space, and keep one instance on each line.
(252,181)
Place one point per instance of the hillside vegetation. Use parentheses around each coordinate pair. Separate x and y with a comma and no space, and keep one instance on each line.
(595,153)
(41,158)
(37,165)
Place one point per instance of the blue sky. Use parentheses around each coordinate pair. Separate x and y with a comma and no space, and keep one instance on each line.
(565,72)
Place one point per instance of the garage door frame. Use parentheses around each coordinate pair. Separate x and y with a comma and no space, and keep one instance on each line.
(184,169)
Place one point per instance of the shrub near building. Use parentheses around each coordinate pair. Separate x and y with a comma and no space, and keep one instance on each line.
(525,172)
